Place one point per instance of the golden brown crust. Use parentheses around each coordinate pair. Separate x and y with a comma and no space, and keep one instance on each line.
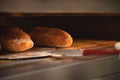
(14,39)
(53,37)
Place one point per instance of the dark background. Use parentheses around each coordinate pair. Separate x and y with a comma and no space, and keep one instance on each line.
(80,26)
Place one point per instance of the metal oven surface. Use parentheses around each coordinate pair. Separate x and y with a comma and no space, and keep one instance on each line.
(91,68)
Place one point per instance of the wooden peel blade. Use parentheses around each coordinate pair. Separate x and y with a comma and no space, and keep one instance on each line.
(16,56)
(30,54)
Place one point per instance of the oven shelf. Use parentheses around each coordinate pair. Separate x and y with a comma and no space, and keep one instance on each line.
(67,69)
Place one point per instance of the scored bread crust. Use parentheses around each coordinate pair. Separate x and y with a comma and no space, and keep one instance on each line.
(15,39)
(53,37)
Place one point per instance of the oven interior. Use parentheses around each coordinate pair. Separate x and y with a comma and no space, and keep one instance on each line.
(89,20)
(90,26)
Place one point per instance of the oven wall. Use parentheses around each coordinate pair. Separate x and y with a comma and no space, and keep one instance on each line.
(87,27)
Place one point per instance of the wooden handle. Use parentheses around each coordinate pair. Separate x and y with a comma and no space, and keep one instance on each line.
(101,52)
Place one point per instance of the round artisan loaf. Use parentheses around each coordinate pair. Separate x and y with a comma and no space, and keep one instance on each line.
(15,39)
(53,37)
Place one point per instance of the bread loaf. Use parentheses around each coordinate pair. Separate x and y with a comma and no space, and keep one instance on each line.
(15,39)
(53,37)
